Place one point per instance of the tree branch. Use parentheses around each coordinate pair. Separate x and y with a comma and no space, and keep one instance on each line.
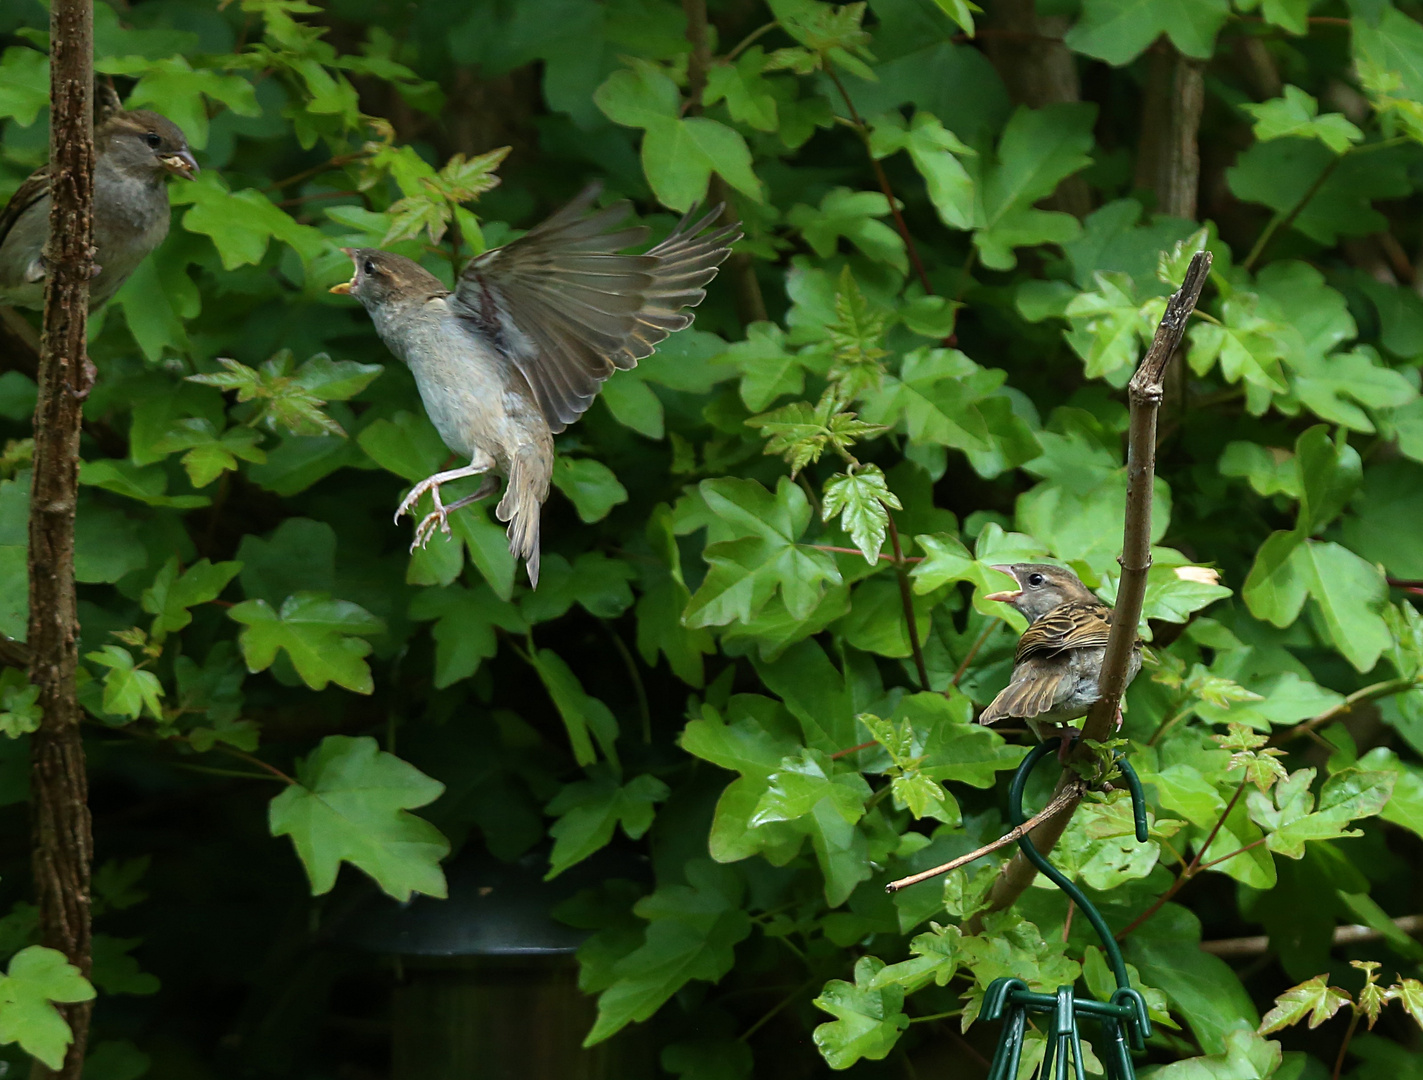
(1146,393)
(907,601)
(1368,693)
(62,839)
(1354,934)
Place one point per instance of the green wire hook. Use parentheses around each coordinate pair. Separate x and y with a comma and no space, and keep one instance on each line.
(1124,1019)
(1034,856)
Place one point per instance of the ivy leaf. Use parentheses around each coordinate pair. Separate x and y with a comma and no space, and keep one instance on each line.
(170,596)
(323,637)
(464,628)
(748,96)
(1291,820)
(1409,994)
(589,810)
(242,223)
(1243,1054)
(128,690)
(1314,999)
(1297,114)
(350,804)
(210,454)
(935,152)
(1118,31)
(24,84)
(764,556)
(768,368)
(692,933)
(1038,149)
(291,398)
(19,712)
(36,978)
(591,486)
(801,432)
(855,216)
(582,714)
(867,1022)
(862,500)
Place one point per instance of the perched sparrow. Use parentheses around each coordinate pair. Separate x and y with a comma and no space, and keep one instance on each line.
(519,350)
(1059,657)
(133,153)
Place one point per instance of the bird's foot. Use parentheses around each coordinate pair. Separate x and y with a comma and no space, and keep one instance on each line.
(1118,721)
(437,517)
(1068,734)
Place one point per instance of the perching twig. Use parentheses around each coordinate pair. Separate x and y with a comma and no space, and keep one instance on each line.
(62,837)
(1067,797)
(1354,934)
(1146,393)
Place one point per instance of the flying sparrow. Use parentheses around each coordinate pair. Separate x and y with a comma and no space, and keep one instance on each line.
(133,154)
(1058,661)
(521,347)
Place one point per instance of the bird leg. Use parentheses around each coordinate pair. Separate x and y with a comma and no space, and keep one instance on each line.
(482,463)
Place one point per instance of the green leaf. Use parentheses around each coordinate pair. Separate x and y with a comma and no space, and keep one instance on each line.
(1038,149)
(24,84)
(170,596)
(692,932)
(589,810)
(1117,31)
(867,1022)
(19,712)
(935,152)
(464,630)
(323,638)
(855,216)
(350,803)
(128,690)
(1243,1054)
(242,223)
(1297,114)
(591,485)
(1290,818)
(582,714)
(36,978)
(862,500)
(763,557)
(1315,999)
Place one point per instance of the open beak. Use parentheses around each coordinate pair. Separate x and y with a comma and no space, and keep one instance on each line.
(181,164)
(1007,596)
(345,288)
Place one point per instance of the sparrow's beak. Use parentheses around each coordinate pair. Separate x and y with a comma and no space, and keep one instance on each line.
(1008,596)
(344,289)
(180,164)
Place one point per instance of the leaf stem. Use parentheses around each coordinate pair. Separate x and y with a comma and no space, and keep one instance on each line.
(770,1013)
(1344,1046)
(968,659)
(643,708)
(857,551)
(1284,221)
(907,600)
(751,39)
(883,178)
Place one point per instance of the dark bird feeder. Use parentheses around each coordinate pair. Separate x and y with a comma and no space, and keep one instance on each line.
(487,981)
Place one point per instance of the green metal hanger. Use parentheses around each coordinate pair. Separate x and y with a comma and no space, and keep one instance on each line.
(1124,1020)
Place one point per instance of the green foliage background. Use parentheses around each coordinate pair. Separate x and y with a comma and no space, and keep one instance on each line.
(717,670)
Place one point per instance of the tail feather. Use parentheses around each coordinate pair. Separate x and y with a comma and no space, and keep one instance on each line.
(530,469)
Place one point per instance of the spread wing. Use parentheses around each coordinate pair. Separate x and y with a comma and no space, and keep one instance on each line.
(1074,625)
(569,310)
(1033,690)
(35,188)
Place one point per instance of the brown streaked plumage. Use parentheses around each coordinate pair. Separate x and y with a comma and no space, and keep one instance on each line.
(520,348)
(1058,662)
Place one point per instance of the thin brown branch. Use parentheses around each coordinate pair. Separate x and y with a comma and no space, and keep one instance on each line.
(1354,934)
(884,555)
(340,161)
(899,222)
(972,652)
(907,601)
(1066,798)
(852,750)
(62,836)
(1344,1046)
(1146,393)
(1368,693)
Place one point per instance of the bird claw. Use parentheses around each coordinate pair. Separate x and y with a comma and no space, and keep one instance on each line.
(439,516)
(426,528)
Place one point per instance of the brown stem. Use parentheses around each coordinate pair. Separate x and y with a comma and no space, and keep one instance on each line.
(856,551)
(1169,162)
(852,750)
(1238,851)
(13,653)
(62,837)
(1368,693)
(1277,224)
(1062,800)
(899,222)
(1146,394)
(908,601)
(983,637)
(1191,868)
(338,162)
(1344,1046)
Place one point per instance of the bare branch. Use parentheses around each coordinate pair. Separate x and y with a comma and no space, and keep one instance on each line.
(1146,393)
(62,838)
(1354,934)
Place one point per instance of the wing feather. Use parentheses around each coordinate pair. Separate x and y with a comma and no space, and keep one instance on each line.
(1074,625)
(570,310)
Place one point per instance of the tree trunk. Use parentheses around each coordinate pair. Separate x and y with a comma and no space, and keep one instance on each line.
(59,787)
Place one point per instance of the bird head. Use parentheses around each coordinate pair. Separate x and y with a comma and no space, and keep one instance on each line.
(381,277)
(146,144)
(1041,588)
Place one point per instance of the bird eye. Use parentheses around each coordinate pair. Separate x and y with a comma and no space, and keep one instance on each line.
(153,140)
(1034,580)
(369,266)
